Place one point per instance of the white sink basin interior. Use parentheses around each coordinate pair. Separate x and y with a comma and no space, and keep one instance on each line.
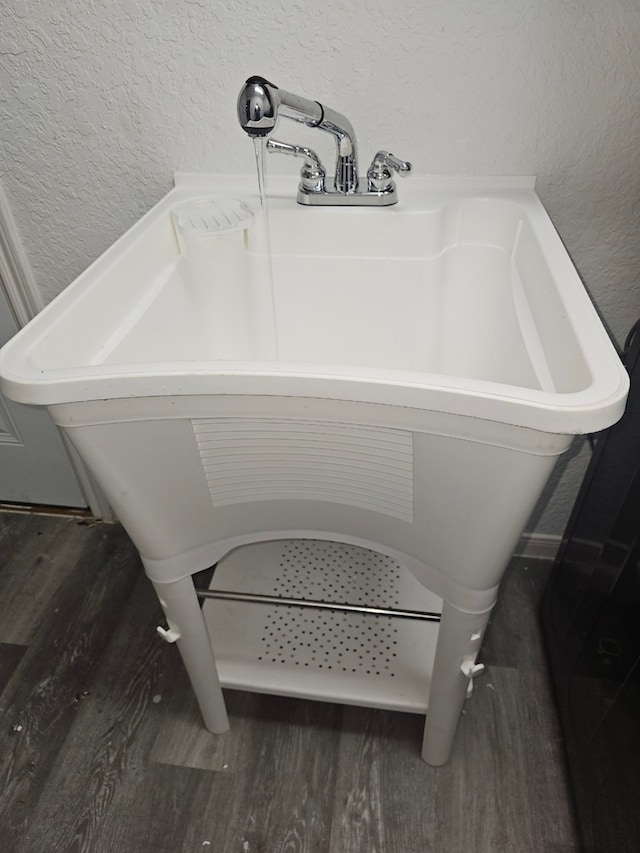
(406,291)
(460,288)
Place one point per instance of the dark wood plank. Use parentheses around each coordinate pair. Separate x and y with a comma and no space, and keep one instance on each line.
(113,756)
(513,635)
(274,791)
(94,781)
(177,810)
(37,553)
(285,803)
(362,816)
(10,657)
(183,741)
(96,568)
(508,766)
(503,789)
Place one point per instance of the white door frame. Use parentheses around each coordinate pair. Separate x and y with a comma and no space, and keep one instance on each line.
(19,287)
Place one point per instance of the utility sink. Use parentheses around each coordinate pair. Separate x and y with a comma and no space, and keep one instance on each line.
(376,418)
(460,298)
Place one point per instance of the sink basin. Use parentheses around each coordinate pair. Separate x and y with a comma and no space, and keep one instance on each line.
(461,298)
(403,383)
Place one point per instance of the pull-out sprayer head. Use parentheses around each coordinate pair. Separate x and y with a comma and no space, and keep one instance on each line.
(260,103)
(258,106)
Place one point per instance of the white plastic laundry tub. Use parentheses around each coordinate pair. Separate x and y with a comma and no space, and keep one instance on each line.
(421,370)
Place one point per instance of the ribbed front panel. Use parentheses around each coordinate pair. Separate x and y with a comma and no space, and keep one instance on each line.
(269,459)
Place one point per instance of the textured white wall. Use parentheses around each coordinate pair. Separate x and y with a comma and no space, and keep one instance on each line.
(102,102)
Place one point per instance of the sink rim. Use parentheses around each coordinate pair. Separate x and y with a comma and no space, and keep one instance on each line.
(524,407)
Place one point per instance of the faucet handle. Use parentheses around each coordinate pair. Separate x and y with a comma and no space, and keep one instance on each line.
(312,174)
(379,174)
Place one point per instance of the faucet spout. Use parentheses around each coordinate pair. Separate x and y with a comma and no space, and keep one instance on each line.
(261,102)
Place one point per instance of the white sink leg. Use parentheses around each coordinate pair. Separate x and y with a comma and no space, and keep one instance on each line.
(459,638)
(188,629)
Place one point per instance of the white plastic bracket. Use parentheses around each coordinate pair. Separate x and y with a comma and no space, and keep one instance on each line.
(470,668)
(170,635)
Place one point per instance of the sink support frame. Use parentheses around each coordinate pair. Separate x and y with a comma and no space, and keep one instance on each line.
(459,638)
(152,458)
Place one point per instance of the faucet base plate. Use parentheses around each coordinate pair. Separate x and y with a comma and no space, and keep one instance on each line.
(368,198)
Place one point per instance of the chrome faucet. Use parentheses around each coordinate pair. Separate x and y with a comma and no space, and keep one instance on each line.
(259,105)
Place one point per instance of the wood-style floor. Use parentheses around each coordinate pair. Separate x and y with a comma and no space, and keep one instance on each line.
(102,749)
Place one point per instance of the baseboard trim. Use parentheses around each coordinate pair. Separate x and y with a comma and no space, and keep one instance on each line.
(46,509)
(538,546)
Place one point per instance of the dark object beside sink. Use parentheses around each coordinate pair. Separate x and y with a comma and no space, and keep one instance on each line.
(591,622)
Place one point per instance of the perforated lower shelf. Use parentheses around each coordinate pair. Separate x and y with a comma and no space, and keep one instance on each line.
(358,659)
